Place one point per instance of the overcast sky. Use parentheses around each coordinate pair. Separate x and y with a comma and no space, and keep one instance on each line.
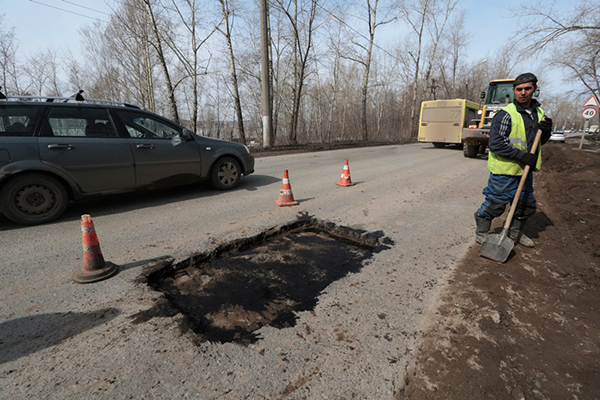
(40,24)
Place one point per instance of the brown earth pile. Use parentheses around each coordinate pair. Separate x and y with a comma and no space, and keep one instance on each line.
(528,328)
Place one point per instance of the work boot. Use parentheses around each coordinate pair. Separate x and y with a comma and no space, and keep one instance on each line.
(482,227)
(515,232)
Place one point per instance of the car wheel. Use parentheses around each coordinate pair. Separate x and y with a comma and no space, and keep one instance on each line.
(33,199)
(226,173)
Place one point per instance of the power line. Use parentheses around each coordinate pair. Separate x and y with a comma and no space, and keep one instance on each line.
(87,8)
(357,32)
(67,11)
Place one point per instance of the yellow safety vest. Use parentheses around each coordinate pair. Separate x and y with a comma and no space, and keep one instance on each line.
(507,166)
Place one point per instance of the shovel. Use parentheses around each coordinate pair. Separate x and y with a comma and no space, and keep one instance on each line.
(498,246)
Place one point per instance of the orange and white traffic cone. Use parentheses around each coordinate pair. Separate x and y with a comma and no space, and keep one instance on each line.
(94,267)
(345,179)
(286,198)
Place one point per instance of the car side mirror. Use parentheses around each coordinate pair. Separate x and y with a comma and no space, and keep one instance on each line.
(482,96)
(537,93)
(186,134)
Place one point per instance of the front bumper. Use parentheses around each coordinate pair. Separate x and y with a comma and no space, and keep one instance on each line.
(475,136)
(247,163)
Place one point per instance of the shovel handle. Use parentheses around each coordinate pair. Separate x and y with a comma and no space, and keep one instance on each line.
(513,207)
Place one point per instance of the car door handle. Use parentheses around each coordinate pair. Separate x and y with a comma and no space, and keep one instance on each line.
(145,146)
(60,146)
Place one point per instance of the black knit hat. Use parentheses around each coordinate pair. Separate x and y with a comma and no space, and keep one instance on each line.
(524,78)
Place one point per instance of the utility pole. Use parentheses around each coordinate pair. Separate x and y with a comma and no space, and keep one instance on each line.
(267,118)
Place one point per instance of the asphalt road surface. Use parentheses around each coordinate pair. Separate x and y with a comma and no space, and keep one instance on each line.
(59,339)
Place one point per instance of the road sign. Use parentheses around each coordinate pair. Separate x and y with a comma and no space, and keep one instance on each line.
(591,102)
(589,113)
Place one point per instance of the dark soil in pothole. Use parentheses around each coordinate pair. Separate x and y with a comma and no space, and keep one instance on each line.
(230,293)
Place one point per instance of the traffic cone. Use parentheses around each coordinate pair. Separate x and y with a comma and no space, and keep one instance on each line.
(345,179)
(286,198)
(94,267)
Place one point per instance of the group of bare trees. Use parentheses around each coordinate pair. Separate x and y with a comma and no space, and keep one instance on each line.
(571,43)
(336,74)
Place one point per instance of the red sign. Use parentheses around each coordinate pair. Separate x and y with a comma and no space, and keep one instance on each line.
(589,113)
(591,102)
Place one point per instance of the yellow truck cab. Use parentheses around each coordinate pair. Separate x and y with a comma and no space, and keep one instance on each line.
(442,121)
(497,96)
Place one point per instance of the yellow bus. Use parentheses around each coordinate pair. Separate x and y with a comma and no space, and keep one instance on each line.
(442,121)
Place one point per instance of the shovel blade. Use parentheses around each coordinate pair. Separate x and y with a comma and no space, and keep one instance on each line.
(497,247)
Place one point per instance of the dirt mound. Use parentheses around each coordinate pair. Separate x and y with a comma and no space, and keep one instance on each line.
(528,328)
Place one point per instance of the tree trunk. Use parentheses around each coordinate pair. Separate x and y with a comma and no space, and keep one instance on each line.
(365,87)
(163,63)
(234,80)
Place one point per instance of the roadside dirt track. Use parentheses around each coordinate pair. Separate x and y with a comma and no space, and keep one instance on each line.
(529,328)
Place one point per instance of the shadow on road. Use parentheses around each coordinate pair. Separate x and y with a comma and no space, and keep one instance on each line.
(23,336)
(116,204)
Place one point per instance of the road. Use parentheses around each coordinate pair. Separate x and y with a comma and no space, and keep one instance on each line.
(60,339)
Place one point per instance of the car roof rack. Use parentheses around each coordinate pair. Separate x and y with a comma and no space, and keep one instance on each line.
(76,97)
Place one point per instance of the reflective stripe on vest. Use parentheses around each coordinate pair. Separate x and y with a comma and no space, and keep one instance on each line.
(507,166)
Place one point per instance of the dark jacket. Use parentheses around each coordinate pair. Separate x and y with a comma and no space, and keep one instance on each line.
(501,127)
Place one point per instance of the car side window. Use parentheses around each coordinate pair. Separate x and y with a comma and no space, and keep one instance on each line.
(18,121)
(79,122)
(144,126)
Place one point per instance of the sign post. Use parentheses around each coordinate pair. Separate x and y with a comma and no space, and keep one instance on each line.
(590,109)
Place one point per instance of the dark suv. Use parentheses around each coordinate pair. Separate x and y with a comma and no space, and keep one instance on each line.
(52,152)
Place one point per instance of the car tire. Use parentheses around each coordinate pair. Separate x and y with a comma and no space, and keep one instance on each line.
(226,173)
(33,199)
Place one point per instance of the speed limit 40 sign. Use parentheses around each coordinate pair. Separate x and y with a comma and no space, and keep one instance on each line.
(589,113)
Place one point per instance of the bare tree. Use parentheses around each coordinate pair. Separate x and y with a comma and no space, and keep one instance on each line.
(565,110)
(301,15)
(416,13)
(157,44)
(373,25)
(456,40)
(121,60)
(8,58)
(40,71)
(361,53)
(226,31)
(573,39)
(188,49)
(439,16)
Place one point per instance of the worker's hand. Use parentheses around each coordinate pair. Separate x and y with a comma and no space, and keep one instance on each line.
(529,159)
(546,125)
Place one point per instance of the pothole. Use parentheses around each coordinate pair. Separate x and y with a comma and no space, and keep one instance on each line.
(226,295)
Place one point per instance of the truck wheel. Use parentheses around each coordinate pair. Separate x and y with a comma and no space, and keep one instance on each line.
(33,199)
(439,145)
(470,150)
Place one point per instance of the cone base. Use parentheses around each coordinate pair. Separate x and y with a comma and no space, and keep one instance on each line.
(345,183)
(283,203)
(82,276)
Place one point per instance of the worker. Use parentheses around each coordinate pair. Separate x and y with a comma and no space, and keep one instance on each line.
(512,134)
